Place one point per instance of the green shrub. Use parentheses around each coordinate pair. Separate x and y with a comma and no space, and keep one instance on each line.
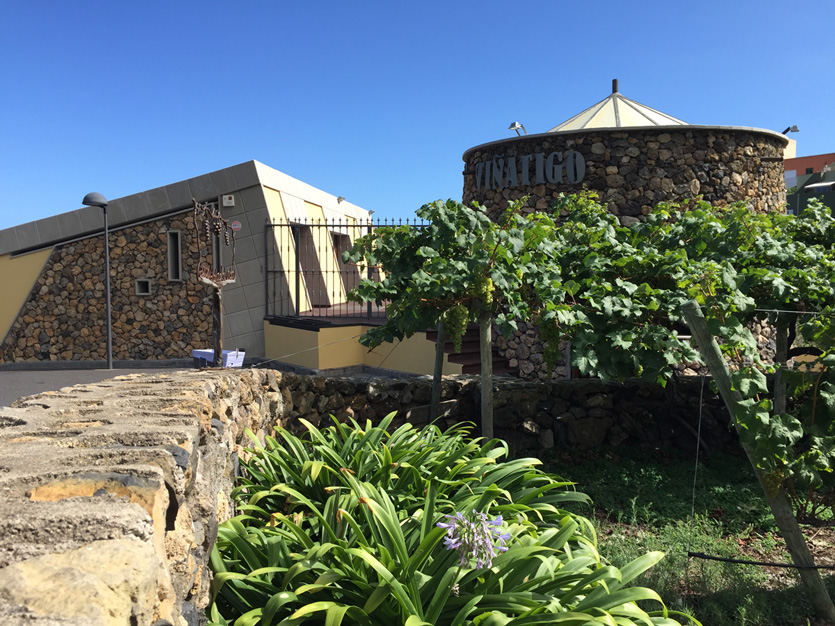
(343,525)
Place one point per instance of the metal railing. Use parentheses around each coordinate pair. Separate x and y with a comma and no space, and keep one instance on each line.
(304,275)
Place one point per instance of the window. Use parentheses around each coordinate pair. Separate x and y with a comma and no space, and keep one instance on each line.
(175,265)
(143,286)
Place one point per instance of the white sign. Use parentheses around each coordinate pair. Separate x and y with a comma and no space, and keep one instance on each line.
(236,226)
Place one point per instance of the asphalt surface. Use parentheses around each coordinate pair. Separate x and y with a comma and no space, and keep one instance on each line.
(17,383)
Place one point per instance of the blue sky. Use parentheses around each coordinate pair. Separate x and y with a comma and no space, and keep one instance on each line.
(375,101)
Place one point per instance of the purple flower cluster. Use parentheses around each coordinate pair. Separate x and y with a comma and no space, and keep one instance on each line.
(475,537)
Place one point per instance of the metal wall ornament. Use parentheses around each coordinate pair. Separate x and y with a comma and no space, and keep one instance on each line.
(209,222)
(211,225)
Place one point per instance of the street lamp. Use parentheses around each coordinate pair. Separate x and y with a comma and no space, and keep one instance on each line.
(96,199)
(516,126)
(791,129)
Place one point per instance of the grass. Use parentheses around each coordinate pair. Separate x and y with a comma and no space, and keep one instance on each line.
(642,501)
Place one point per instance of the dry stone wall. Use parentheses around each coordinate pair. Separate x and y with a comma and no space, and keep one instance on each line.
(64,316)
(111,493)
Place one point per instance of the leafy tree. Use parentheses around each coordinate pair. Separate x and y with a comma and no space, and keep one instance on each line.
(462,267)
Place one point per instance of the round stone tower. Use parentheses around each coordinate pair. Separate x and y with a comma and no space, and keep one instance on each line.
(634,157)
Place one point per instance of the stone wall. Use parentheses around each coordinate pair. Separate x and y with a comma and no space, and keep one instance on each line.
(64,316)
(111,493)
(524,351)
(631,169)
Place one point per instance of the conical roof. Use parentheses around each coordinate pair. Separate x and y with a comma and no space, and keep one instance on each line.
(617,112)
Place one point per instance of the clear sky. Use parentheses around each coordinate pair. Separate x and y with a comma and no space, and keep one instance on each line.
(372,100)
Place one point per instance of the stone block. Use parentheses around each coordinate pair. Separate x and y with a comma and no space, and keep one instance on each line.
(8,240)
(27,235)
(224,181)
(49,229)
(179,195)
(136,207)
(238,324)
(246,175)
(250,273)
(157,201)
(101,584)
(203,188)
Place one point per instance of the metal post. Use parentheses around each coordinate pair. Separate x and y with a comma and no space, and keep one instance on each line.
(217,314)
(297,239)
(109,321)
(267,269)
(370,273)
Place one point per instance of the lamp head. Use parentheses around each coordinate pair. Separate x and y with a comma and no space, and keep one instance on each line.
(94,199)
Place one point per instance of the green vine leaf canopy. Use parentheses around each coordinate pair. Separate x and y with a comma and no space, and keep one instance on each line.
(617,293)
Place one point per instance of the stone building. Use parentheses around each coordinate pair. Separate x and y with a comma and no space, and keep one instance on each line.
(634,157)
(53,305)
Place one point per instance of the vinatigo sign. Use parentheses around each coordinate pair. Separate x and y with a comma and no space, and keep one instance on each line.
(530,169)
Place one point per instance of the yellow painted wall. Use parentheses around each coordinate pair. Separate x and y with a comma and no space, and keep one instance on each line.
(415,355)
(338,347)
(19,276)
(291,345)
(323,244)
(286,247)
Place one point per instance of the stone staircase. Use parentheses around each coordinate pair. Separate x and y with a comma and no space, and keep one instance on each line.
(470,356)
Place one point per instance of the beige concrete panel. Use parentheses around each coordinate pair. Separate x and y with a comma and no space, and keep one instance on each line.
(19,276)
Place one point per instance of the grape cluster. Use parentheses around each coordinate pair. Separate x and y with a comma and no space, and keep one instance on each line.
(455,324)
(772,482)
(484,290)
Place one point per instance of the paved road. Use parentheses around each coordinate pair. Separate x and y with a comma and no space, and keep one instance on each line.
(17,383)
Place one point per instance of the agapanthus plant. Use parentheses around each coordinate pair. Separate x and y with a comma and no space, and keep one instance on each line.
(475,537)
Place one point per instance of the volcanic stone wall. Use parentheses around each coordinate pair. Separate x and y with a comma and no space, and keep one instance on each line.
(64,315)
(632,170)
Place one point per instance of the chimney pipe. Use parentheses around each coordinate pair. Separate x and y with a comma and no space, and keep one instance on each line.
(614,85)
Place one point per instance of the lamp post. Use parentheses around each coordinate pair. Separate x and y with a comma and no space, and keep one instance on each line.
(96,199)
